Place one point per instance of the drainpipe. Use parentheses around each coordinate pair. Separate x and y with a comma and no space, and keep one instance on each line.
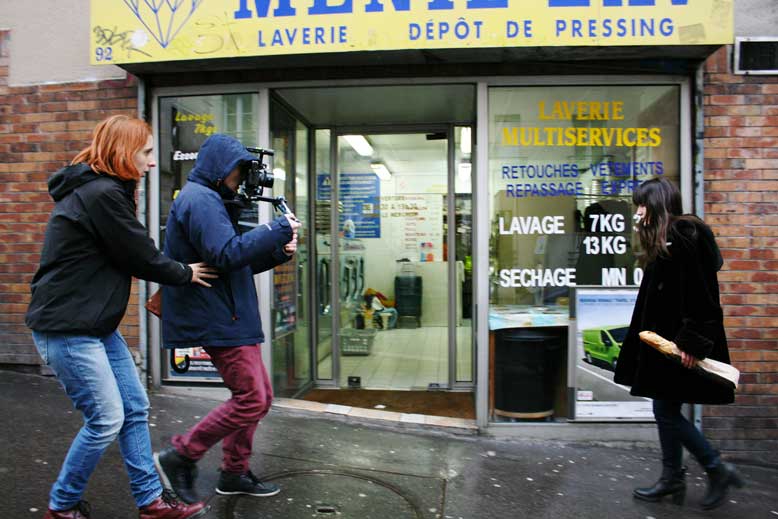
(143,343)
(699,177)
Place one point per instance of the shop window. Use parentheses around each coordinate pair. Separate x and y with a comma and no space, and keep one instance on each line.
(185,122)
(563,163)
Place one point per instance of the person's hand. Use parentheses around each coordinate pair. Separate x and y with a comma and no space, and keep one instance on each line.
(291,247)
(688,361)
(294,223)
(201,272)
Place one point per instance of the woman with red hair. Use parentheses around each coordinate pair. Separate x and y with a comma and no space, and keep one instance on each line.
(93,247)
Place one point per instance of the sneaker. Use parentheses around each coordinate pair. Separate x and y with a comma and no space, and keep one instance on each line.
(178,473)
(80,511)
(168,506)
(247,484)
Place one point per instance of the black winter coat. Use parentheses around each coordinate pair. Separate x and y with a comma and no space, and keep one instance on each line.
(94,244)
(679,300)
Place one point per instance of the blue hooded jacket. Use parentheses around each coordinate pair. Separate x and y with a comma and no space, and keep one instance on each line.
(200,228)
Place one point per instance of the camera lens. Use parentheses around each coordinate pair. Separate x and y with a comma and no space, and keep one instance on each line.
(266,179)
(255,175)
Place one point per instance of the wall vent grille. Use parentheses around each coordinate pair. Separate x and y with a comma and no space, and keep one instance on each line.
(756,55)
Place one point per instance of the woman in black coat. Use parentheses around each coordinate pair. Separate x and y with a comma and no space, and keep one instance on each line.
(93,247)
(679,300)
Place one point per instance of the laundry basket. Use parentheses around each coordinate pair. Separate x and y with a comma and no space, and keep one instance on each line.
(356,342)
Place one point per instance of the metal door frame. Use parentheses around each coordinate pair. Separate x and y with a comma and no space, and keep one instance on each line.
(448,130)
(310,308)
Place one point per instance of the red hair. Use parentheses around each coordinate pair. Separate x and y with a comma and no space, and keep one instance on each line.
(115,141)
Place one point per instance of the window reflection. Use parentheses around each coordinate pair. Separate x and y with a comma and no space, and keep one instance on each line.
(563,163)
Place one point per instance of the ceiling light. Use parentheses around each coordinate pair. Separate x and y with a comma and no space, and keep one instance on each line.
(465,141)
(360,144)
(381,171)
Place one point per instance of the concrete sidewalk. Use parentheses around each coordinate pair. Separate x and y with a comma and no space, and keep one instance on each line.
(337,468)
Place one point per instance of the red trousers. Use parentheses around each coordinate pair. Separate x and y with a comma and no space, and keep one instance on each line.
(235,420)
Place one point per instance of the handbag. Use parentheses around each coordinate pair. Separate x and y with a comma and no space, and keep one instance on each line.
(154,303)
(719,372)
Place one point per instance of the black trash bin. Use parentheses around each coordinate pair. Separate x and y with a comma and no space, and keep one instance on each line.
(527,363)
(407,296)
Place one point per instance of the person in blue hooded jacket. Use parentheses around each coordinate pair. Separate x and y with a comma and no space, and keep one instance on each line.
(203,224)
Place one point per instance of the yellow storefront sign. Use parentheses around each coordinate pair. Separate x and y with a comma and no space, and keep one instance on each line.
(135,31)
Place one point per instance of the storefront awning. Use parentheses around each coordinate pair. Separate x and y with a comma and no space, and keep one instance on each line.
(233,34)
(429,63)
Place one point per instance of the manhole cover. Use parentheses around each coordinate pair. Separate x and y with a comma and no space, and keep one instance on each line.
(322,493)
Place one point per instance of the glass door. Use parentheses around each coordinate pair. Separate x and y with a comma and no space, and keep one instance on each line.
(400,285)
(322,216)
(185,122)
(291,322)
(460,235)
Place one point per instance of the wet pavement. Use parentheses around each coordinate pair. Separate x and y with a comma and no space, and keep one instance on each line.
(330,468)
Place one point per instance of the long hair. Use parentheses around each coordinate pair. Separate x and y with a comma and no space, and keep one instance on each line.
(662,201)
(115,141)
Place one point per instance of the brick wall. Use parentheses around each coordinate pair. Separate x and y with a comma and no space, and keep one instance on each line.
(42,127)
(741,204)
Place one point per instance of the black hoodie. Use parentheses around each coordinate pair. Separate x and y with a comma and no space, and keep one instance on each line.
(94,245)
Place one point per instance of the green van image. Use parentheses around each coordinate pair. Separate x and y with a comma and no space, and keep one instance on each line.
(603,345)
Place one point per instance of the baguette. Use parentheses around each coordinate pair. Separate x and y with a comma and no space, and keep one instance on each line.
(712,369)
(660,343)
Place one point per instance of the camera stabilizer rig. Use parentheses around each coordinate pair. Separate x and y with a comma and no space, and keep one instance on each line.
(257,177)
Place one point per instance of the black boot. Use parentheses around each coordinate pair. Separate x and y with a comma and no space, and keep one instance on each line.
(720,477)
(247,484)
(671,483)
(178,473)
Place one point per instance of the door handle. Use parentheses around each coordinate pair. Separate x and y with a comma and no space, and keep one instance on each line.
(345,283)
(355,274)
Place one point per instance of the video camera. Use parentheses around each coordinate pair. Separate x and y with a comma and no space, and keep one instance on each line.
(256,177)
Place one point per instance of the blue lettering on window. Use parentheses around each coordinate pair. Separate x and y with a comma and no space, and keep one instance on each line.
(666,26)
(610,3)
(322,7)
(375,6)
(440,5)
(262,7)
(568,3)
(487,4)
(243,11)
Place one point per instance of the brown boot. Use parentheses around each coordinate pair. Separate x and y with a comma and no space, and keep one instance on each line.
(168,506)
(80,511)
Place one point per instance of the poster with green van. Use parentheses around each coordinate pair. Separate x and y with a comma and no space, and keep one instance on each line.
(602,316)
(602,345)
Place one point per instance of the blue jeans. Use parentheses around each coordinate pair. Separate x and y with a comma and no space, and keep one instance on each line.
(99,376)
(675,433)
